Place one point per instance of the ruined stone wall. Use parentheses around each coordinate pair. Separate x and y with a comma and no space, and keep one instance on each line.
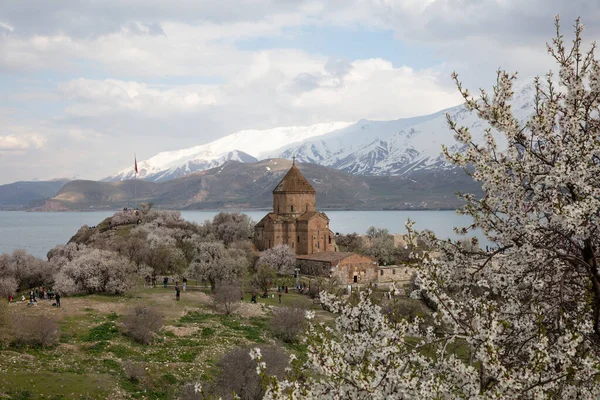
(357,269)
(395,273)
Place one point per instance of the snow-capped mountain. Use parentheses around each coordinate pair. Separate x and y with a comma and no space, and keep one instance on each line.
(398,147)
(241,146)
(365,147)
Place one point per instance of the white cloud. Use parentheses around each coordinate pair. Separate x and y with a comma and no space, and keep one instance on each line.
(6,28)
(107,53)
(20,143)
(275,86)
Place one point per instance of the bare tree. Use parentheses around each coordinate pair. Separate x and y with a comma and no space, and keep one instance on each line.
(263,279)
(288,323)
(142,323)
(134,371)
(40,330)
(227,297)
(238,372)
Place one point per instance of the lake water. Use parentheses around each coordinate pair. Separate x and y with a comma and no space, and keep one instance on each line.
(38,232)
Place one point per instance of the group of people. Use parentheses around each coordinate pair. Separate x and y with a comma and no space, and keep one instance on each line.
(39,293)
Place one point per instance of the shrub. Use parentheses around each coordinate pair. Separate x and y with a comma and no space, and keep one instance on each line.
(40,330)
(227,297)
(238,372)
(143,323)
(288,323)
(134,371)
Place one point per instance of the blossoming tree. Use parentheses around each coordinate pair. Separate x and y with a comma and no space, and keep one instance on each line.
(525,315)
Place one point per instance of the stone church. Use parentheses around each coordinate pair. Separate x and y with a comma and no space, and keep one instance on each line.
(295,220)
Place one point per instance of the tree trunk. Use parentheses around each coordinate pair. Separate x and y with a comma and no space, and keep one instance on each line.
(592,266)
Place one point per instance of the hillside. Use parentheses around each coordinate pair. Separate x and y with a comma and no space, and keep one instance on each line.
(19,194)
(249,185)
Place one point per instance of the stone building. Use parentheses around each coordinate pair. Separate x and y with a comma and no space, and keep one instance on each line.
(295,220)
(348,268)
(395,273)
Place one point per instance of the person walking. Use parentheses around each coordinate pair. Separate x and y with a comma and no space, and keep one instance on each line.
(57,297)
(184,282)
(279,294)
(177,292)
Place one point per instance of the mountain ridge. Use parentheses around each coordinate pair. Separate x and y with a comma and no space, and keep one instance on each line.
(398,147)
(237,185)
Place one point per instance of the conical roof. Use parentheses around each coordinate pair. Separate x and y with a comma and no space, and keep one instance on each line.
(294,182)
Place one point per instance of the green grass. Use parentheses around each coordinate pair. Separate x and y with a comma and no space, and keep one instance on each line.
(196,316)
(104,331)
(89,361)
(41,384)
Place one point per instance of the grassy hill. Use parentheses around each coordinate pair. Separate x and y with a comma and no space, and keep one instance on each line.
(19,194)
(91,358)
(249,185)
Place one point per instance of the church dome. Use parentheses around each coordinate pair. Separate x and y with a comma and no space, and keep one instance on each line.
(294,182)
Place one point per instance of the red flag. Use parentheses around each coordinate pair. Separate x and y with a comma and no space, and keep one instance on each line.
(135,164)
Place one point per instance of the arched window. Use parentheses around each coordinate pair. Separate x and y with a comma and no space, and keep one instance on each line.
(292,208)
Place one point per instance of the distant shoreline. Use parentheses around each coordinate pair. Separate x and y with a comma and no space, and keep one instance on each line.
(228,210)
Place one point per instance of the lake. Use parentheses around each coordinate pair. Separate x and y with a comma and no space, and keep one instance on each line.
(38,232)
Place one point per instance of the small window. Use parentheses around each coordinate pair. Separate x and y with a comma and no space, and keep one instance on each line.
(298,239)
(393,272)
(381,272)
(292,207)
(329,239)
(307,207)
(355,278)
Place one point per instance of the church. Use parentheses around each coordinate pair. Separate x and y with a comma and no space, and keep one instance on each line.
(295,220)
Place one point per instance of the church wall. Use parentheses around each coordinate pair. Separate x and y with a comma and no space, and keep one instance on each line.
(302,239)
(302,202)
(259,241)
(320,237)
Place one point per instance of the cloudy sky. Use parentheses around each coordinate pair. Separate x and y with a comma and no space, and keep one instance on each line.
(86,83)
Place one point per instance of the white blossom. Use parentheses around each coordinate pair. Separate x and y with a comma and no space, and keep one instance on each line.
(525,315)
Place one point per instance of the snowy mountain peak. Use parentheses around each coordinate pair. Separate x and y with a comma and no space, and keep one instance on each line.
(366,147)
(254,143)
